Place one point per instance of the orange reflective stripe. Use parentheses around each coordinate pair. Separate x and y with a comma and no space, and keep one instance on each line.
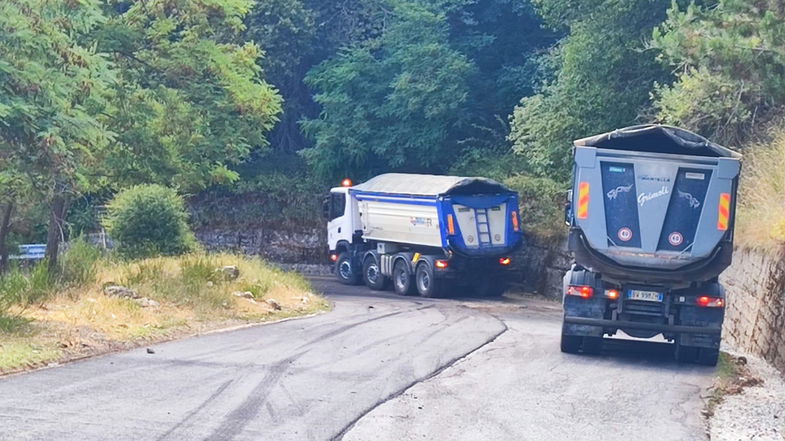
(583,200)
(450,225)
(723,220)
(515,225)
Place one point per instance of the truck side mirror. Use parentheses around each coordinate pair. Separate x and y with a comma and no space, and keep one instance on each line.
(326,208)
(568,208)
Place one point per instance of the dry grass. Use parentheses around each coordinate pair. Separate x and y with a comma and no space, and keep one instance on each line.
(761,211)
(192,297)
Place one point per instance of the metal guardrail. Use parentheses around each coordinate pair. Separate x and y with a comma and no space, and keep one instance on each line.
(32,251)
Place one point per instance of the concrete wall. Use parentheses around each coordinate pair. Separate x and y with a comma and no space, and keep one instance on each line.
(755,314)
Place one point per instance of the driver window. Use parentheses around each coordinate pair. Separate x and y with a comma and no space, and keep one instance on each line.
(337,205)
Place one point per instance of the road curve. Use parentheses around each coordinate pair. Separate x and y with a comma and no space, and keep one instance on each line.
(378,367)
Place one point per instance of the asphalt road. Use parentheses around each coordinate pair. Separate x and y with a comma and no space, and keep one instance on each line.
(378,367)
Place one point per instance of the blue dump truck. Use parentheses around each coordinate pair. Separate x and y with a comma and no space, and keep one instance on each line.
(651,216)
(425,234)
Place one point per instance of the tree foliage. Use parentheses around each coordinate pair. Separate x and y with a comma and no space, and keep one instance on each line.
(601,79)
(191,99)
(730,59)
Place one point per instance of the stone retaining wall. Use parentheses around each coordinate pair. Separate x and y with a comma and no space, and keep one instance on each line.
(755,314)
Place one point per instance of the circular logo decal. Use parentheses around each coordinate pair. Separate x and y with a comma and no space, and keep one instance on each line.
(470,239)
(675,239)
(625,234)
(497,238)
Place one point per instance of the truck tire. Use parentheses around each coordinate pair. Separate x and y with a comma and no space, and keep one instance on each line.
(708,356)
(488,286)
(692,354)
(427,284)
(592,345)
(402,280)
(570,344)
(372,275)
(345,271)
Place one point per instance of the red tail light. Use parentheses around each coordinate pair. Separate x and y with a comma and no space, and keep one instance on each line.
(333,257)
(504,261)
(711,302)
(441,264)
(582,291)
(346,183)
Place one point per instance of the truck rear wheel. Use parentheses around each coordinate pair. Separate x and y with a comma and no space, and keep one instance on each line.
(488,286)
(402,280)
(372,275)
(570,344)
(427,284)
(693,354)
(345,271)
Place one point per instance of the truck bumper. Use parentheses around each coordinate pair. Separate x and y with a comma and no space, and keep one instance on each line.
(619,324)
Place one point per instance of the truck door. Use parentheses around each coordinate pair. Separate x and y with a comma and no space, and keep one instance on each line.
(339,225)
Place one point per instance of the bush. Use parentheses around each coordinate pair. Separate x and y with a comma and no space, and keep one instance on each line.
(77,264)
(149,220)
(542,204)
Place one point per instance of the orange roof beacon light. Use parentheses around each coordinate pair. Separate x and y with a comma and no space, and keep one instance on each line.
(346,182)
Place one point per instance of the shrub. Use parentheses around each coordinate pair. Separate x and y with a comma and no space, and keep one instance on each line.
(149,220)
(77,264)
(542,204)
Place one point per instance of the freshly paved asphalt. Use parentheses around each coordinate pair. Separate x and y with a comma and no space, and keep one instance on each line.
(378,367)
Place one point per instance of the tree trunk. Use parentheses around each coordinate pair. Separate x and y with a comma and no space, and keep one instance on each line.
(56,226)
(5,224)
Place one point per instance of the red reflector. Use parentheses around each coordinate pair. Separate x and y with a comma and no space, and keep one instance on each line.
(515,225)
(504,261)
(334,257)
(441,264)
(612,294)
(450,225)
(582,291)
(346,183)
(711,302)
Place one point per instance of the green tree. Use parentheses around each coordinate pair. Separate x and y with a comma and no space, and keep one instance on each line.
(601,81)
(53,86)
(390,103)
(191,99)
(730,58)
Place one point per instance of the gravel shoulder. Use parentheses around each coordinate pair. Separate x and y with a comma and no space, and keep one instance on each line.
(757,413)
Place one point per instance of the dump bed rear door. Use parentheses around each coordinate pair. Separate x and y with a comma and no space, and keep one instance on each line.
(649,209)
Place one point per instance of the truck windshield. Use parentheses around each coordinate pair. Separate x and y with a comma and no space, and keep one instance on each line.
(337,205)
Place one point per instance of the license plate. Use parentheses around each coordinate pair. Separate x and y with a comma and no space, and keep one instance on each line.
(647,296)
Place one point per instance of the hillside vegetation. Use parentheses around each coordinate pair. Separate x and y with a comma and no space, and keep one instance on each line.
(285,97)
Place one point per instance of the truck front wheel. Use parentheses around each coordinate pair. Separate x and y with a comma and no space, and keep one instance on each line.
(345,271)
(402,280)
(372,275)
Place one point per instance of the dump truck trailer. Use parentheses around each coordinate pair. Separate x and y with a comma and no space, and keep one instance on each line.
(651,217)
(423,233)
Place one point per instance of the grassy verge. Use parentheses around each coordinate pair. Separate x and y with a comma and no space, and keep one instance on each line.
(761,209)
(164,298)
(733,376)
